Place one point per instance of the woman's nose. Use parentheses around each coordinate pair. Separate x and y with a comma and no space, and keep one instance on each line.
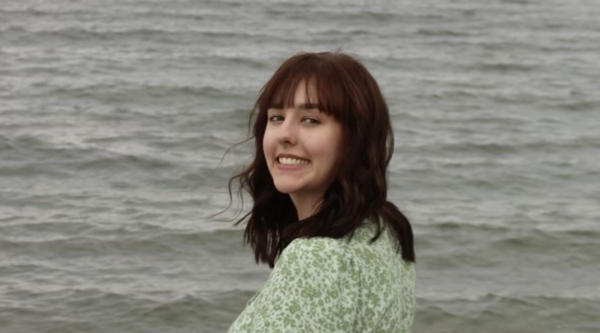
(287,134)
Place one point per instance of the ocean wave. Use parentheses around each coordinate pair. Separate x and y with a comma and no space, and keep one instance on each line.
(503,67)
(508,313)
(135,242)
(25,152)
(523,298)
(443,33)
(123,163)
(164,35)
(582,105)
(121,93)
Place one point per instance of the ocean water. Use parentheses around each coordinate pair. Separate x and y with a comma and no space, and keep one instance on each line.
(118,118)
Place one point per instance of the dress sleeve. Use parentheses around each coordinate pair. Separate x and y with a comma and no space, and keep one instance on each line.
(313,288)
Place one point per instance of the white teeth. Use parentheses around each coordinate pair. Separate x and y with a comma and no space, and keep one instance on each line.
(292,161)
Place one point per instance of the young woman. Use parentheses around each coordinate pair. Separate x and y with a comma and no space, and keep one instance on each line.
(342,254)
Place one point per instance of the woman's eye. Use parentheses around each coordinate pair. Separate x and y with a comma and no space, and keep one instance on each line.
(311,121)
(275,118)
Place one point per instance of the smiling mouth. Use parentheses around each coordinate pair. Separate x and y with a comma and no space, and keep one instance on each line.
(291,161)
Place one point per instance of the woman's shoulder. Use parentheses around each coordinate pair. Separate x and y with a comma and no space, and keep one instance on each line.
(357,248)
(320,250)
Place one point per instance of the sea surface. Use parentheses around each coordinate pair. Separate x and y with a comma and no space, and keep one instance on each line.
(118,129)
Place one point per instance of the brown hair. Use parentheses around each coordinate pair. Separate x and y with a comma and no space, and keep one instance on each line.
(348,92)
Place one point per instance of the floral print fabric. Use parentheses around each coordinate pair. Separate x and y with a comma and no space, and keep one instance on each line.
(335,285)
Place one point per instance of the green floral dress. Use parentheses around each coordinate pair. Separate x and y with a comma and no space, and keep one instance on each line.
(335,285)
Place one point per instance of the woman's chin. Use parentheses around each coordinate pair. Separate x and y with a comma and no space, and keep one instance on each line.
(286,189)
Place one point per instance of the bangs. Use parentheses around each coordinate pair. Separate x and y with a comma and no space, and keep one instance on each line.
(324,89)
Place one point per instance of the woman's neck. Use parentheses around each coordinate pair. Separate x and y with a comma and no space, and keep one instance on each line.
(306,206)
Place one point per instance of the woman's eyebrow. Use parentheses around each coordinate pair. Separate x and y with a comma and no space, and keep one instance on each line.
(303,106)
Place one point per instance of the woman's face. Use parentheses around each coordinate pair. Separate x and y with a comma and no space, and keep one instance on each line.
(301,146)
